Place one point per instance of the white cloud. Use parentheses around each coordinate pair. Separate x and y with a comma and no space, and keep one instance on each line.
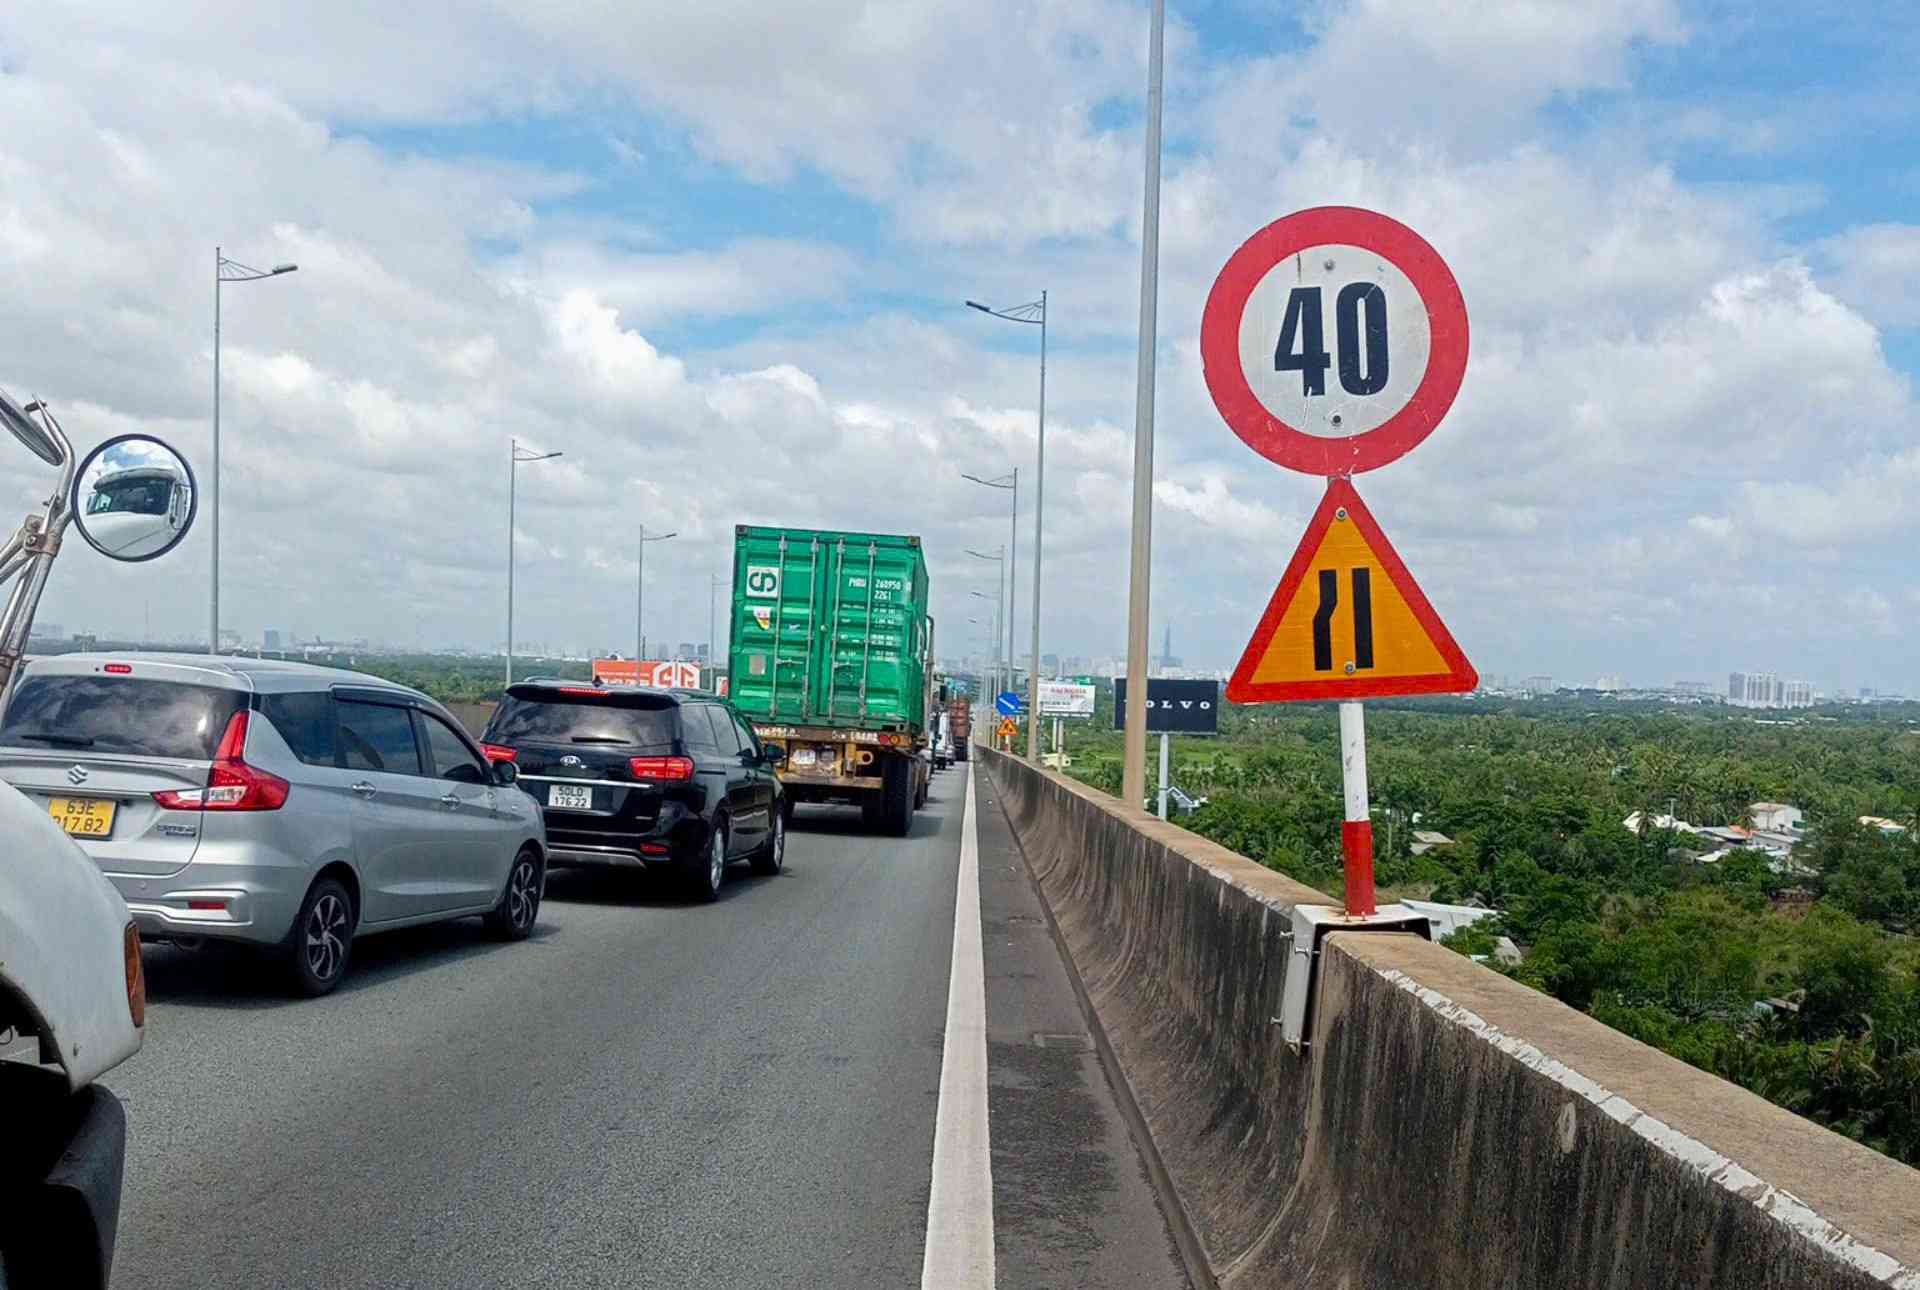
(1876,267)
(1669,403)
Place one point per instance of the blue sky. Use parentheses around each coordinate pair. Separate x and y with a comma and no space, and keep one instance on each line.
(717,256)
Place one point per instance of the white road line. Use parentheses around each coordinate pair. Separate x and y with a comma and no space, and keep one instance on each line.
(960,1207)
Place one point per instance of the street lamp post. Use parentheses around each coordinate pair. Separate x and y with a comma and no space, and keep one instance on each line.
(995,599)
(224,271)
(639,596)
(516,457)
(1134,773)
(1011,483)
(985,676)
(999,614)
(1034,314)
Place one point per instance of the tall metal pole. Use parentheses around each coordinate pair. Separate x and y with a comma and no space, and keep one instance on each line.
(513,475)
(639,597)
(213,493)
(1012,572)
(1039,509)
(1134,777)
(713,645)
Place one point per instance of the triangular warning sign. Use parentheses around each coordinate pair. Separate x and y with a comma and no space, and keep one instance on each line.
(1347,620)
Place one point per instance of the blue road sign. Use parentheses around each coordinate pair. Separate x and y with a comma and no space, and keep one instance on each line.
(1010,704)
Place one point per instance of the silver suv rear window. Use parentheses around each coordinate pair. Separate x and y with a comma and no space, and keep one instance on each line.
(119,714)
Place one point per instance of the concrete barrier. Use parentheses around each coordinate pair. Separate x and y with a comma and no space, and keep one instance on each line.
(1445,1126)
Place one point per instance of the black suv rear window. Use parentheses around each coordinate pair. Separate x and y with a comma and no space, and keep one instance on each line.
(583,719)
(119,714)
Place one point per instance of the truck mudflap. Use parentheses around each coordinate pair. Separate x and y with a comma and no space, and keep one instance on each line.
(60,1213)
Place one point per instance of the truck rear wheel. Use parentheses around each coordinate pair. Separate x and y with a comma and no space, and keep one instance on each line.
(897,793)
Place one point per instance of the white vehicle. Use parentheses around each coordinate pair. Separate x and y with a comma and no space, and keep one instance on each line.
(72,987)
(135,512)
(942,741)
(71,984)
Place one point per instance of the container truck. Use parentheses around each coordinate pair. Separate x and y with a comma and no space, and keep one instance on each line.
(960,715)
(831,659)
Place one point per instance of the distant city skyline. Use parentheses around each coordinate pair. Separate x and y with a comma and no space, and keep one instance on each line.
(1071,661)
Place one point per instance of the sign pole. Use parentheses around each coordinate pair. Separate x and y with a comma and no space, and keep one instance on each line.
(1165,742)
(1356,832)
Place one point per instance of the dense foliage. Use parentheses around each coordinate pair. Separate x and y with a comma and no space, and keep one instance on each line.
(1800,985)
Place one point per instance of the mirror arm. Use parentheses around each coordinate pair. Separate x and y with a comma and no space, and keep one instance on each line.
(17,624)
(32,549)
(10,555)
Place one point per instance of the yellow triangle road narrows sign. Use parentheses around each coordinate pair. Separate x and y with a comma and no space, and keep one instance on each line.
(1347,620)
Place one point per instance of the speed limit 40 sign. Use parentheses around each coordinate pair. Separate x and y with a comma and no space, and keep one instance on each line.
(1334,340)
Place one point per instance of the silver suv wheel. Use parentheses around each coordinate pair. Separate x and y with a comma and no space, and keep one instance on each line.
(326,933)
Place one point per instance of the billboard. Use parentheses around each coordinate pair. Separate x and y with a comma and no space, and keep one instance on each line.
(1066,699)
(661,674)
(1173,707)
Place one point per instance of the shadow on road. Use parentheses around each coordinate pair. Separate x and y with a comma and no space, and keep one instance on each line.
(642,889)
(845,821)
(234,976)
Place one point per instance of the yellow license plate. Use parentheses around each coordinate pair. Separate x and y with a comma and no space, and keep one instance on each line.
(83,817)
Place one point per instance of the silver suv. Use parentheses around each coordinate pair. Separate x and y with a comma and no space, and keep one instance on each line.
(273,803)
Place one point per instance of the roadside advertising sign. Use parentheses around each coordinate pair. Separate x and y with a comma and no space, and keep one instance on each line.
(1173,707)
(658,673)
(1065,699)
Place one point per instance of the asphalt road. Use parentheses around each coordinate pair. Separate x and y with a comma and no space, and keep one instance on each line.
(647,1093)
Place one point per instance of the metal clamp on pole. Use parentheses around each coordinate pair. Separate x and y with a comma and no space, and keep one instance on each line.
(1312,924)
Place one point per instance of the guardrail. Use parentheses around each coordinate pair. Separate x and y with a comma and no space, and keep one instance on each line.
(1443,1126)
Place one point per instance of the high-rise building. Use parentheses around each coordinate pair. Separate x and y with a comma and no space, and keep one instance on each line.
(271,639)
(1167,658)
(1767,690)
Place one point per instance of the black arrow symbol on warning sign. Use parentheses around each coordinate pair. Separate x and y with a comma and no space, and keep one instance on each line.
(1323,621)
(1362,619)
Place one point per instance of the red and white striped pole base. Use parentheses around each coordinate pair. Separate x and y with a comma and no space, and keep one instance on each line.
(1356,831)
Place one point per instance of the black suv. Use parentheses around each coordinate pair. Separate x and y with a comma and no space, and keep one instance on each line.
(643,778)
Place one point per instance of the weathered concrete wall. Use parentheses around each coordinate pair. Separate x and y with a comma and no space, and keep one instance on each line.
(1446,1127)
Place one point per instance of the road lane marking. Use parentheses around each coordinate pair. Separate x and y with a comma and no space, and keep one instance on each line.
(959,1252)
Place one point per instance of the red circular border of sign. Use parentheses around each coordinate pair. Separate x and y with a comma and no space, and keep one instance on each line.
(1249,418)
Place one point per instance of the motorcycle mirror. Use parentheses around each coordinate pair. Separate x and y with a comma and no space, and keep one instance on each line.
(134,498)
(30,432)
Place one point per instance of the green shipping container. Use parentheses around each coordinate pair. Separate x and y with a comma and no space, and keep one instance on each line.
(830,629)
